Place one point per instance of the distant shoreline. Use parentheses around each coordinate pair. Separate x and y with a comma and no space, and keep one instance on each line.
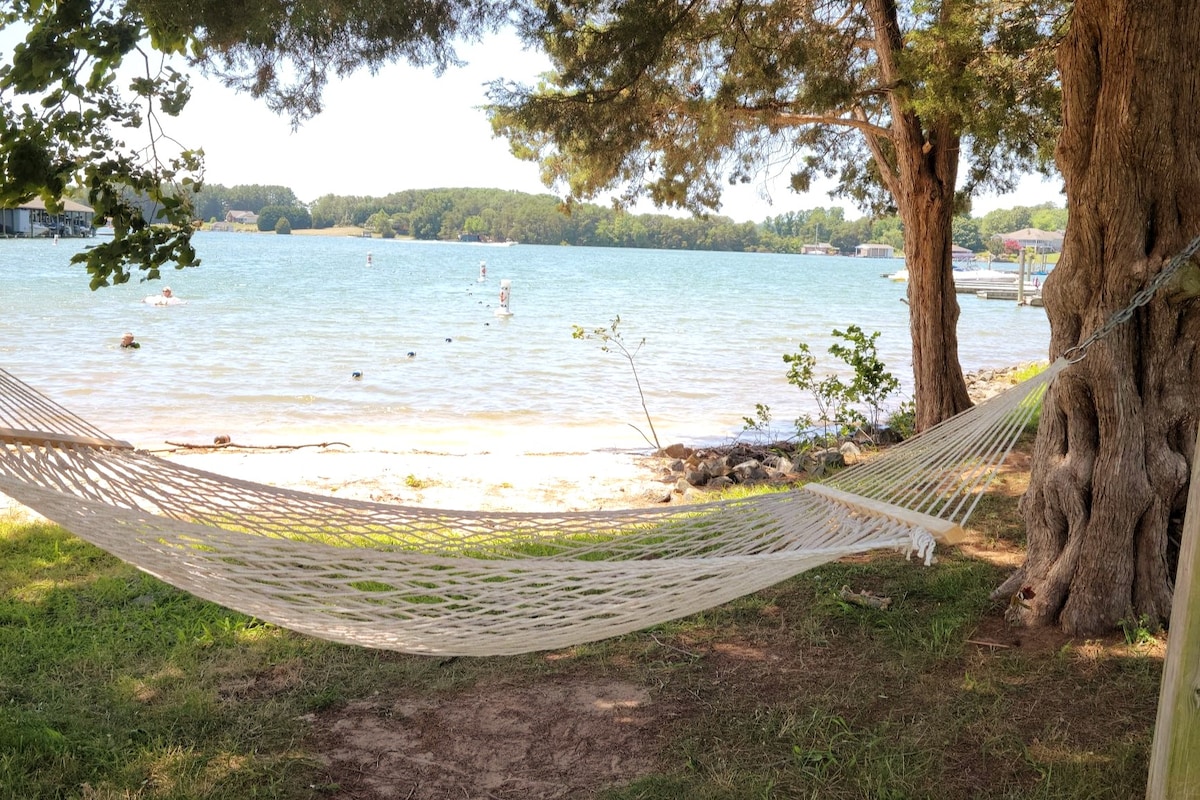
(336,230)
(352,231)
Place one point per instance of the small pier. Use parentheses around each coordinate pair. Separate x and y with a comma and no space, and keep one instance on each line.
(1028,298)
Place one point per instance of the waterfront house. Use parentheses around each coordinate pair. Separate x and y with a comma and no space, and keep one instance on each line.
(819,249)
(242,217)
(1035,239)
(875,250)
(32,219)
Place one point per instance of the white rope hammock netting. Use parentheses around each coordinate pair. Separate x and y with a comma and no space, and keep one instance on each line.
(434,581)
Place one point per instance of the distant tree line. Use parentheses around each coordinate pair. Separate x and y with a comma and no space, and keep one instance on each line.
(296,216)
(500,215)
(791,231)
(214,200)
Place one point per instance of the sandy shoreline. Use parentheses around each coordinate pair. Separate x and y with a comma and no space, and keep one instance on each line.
(471,477)
(337,230)
(469,481)
(493,481)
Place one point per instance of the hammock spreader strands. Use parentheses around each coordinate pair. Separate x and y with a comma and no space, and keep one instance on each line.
(435,581)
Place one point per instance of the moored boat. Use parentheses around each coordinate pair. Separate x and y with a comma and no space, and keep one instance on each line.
(968,280)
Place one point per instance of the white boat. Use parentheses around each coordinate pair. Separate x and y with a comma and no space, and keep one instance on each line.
(966,277)
(968,280)
(985,274)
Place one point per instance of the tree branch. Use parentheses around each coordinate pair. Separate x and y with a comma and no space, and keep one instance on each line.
(906,133)
(796,119)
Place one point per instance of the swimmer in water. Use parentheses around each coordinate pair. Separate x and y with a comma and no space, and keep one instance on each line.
(167,298)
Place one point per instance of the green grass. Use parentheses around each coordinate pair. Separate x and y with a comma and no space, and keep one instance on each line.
(1027,371)
(897,703)
(452,537)
(112,680)
(114,685)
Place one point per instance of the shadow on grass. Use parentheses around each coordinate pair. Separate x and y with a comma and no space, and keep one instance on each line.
(115,681)
(116,685)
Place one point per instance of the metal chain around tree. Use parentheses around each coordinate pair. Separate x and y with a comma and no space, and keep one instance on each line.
(1140,299)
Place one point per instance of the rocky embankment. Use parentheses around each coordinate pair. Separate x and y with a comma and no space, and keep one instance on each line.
(691,471)
(990,382)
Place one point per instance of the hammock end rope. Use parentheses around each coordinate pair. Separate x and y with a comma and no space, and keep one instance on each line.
(923,544)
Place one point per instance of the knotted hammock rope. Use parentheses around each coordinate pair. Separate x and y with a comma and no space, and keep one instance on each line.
(433,581)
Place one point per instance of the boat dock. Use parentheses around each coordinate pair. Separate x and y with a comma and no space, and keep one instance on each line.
(990,284)
(1032,297)
(993,287)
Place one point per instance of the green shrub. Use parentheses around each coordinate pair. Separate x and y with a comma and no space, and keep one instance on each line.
(843,407)
(904,420)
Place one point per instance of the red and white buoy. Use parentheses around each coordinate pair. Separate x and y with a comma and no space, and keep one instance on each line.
(368,259)
(505,296)
(482,271)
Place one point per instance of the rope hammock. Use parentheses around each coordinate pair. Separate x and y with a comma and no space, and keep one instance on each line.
(433,581)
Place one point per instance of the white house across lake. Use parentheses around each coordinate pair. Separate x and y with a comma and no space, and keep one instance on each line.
(32,219)
(875,250)
(1035,239)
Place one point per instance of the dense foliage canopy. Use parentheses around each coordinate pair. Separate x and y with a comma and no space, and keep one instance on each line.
(297,216)
(674,100)
(85,97)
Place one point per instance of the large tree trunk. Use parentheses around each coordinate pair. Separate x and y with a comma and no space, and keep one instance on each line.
(927,209)
(1114,445)
(922,176)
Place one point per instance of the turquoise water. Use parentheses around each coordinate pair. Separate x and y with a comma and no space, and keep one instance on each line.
(273,328)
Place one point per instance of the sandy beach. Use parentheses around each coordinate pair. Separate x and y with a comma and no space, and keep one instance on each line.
(337,230)
(491,481)
(497,474)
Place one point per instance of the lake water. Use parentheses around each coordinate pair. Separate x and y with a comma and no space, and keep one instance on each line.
(273,328)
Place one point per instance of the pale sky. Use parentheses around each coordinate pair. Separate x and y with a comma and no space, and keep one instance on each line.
(405,128)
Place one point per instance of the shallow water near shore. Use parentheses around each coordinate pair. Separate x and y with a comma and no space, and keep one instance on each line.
(273,328)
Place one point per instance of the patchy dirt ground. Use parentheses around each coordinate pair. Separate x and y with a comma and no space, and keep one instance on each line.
(562,738)
(570,735)
(576,731)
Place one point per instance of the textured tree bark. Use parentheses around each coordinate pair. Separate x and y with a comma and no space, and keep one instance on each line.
(1117,433)
(941,391)
(922,178)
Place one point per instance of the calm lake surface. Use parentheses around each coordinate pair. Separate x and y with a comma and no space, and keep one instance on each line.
(273,328)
